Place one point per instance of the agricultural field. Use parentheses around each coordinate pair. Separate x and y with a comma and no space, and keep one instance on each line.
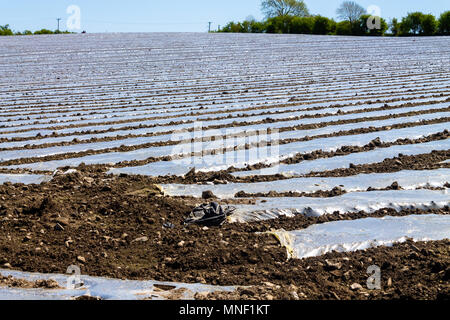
(333,151)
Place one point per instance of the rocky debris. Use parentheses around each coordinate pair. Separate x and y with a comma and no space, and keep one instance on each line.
(375,143)
(81,259)
(337,191)
(356,286)
(389,282)
(181,243)
(163,287)
(208,195)
(46,284)
(140,239)
(332,265)
(395,186)
(151,190)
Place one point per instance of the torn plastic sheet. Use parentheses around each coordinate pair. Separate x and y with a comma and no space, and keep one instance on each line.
(272,208)
(104,288)
(361,234)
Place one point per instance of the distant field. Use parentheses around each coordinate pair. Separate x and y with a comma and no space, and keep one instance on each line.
(276,125)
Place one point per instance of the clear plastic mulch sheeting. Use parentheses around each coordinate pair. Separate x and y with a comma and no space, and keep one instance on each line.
(347,236)
(24,178)
(272,208)
(407,179)
(267,155)
(342,162)
(227,131)
(104,288)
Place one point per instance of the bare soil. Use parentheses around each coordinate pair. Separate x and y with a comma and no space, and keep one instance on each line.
(119,227)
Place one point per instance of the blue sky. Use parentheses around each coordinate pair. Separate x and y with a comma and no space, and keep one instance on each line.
(173,15)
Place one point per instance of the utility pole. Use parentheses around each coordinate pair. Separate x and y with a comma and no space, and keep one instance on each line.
(58,19)
(209,27)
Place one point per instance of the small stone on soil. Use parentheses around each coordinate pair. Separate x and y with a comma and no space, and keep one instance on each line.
(356,286)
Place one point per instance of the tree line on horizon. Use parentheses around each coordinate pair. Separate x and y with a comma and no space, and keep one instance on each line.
(6,31)
(292,16)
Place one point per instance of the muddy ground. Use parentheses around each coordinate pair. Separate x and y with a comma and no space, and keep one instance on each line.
(121,227)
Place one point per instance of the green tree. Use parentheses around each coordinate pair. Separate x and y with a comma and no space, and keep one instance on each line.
(417,23)
(257,27)
(444,23)
(252,26)
(394,26)
(281,24)
(361,28)
(323,25)
(278,8)
(428,25)
(344,28)
(5,30)
(232,27)
(411,24)
(302,25)
(247,26)
(43,31)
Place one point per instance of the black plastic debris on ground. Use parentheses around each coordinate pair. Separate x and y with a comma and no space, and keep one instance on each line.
(211,214)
